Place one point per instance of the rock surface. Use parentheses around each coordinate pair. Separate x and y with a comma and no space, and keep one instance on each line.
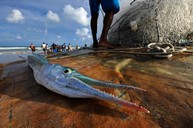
(24,103)
(151,21)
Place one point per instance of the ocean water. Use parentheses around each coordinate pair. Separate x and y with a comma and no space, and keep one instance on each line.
(17,50)
(11,54)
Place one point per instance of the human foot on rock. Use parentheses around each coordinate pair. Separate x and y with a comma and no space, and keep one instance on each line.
(105,44)
(95,44)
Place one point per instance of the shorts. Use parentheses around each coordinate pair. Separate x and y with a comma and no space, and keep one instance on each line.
(107,5)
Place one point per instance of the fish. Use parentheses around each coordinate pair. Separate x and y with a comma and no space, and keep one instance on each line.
(68,82)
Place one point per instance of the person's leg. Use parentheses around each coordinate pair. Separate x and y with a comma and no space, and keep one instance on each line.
(106,25)
(94,8)
(94,20)
(110,7)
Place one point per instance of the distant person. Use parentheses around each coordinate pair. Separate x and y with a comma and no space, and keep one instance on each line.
(76,47)
(33,48)
(64,47)
(59,48)
(85,46)
(44,48)
(54,48)
(110,7)
(69,47)
(47,49)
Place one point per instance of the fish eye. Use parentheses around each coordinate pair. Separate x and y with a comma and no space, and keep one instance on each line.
(67,71)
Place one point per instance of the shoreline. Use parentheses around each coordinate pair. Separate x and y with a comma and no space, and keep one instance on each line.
(9,57)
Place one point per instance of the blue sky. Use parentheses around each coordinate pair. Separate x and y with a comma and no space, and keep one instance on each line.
(36,21)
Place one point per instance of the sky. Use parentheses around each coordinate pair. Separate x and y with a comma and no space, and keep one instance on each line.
(50,21)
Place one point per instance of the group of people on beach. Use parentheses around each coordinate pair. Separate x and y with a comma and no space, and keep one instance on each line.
(110,7)
(60,48)
(53,48)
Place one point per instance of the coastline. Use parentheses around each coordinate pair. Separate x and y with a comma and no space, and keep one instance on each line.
(10,58)
(13,56)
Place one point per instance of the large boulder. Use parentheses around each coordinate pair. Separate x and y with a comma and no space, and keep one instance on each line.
(148,21)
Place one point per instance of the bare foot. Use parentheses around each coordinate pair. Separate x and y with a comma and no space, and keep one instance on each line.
(105,44)
(95,44)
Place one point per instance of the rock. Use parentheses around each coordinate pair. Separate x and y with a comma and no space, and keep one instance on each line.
(150,21)
(26,104)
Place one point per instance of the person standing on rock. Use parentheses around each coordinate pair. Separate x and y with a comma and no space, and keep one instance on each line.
(110,7)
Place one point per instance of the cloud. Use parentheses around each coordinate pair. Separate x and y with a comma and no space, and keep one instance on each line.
(45,31)
(58,36)
(77,14)
(83,33)
(53,16)
(89,36)
(15,16)
(18,37)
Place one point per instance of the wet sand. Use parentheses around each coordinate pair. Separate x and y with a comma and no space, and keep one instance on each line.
(169,85)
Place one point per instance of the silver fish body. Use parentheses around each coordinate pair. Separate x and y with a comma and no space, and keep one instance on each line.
(70,83)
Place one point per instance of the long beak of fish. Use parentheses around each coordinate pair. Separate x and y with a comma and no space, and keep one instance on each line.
(83,87)
(91,81)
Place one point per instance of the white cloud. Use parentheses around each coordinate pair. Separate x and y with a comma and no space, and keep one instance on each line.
(77,14)
(89,36)
(45,31)
(15,16)
(59,36)
(53,16)
(18,37)
(83,33)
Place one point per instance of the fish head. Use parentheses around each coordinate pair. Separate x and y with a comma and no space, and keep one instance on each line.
(63,72)
(63,80)
(67,81)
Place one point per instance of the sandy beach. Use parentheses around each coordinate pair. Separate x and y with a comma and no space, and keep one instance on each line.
(169,85)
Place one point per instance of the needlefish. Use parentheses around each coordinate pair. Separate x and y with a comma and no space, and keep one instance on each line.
(68,82)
